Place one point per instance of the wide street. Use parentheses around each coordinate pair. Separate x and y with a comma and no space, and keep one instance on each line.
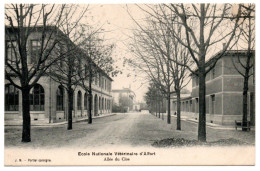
(134,129)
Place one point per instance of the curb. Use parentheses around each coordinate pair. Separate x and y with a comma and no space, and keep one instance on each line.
(64,122)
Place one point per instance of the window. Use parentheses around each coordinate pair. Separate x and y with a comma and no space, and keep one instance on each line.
(96,80)
(11,98)
(86,70)
(100,80)
(79,101)
(11,49)
(37,98)
(213,103)
(213,97)
(35,50)
(213,73)
(196,80)
(85,101)
(60,95)
(190,105)
(102,106)
(59,53)
(99,102)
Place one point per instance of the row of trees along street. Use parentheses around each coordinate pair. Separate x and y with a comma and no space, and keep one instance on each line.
(65,41)
(173,41)
(155,101)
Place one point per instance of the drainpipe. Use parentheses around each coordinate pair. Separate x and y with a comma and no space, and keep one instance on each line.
(50,101)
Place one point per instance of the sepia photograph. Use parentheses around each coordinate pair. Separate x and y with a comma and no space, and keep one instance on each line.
(129,84)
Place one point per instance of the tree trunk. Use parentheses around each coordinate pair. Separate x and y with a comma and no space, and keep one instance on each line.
(70,104)
(158,102)
(26,135)
(245,90)
(202,76)
(202,106)
(162,110)
(90,94)
(178,110)
(155,108)
(169,107)
(90,107)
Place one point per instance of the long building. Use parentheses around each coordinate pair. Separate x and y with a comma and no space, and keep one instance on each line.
(48,98)
(224,93)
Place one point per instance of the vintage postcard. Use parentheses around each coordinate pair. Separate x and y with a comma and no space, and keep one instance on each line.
(129,84)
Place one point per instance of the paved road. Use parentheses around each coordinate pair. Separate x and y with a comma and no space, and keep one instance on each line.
(132,129)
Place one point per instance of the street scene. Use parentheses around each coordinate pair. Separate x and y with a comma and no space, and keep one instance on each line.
(130,76)
(117,130)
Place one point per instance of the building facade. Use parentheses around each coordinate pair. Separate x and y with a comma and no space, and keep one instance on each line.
(48,98)
(224,93)
(127,94)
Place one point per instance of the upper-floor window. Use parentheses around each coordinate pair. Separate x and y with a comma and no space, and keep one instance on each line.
(59,54)
(35,50)
(11,51)
(196,80)
(96,80)
(213,74)
(100,80)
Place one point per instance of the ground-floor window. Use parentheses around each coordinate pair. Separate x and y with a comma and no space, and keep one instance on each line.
(11,98)
(37,98)
(213,103)
(60,97)
(85,101)
(79,101)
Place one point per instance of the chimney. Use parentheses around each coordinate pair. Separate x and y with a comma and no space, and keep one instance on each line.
(224,45)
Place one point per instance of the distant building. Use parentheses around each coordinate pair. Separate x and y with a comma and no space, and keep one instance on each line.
(137,107)
(48,98)
(224,99)
(125,93)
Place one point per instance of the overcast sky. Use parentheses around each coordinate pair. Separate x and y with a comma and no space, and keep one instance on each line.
(118,22)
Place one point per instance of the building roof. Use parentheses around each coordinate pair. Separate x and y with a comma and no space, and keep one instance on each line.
(55,28)
(227,53)
(183,96)
(123,90)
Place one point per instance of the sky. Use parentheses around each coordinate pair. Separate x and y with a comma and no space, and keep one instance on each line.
(118,24)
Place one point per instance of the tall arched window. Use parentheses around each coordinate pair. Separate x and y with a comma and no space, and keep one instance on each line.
(102,106)
(37,98)
(79,101)
(60,95)
(85,101)
(11,98)
(99,103)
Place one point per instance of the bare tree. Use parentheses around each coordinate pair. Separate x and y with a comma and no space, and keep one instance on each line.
(66,70)
(203,28)
(150,61)
(23,70)
(99,60)
(244,64)
(158,43)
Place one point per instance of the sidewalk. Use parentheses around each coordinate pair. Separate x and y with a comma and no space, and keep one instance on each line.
(215,132)
(211,125)
(57,123)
